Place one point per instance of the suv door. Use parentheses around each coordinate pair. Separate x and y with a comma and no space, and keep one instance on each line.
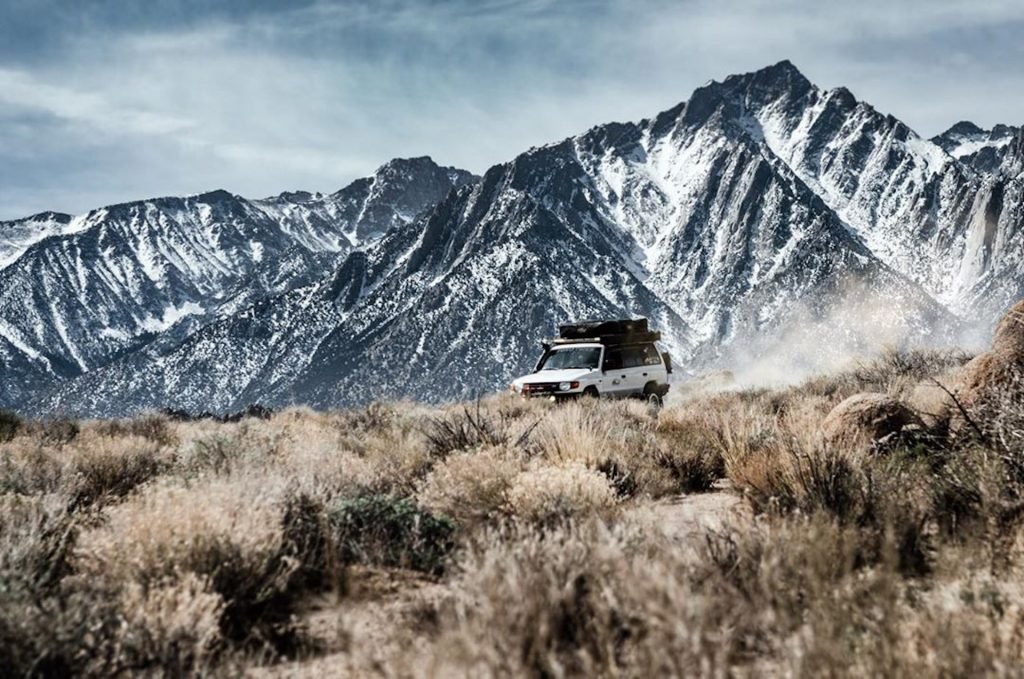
(616,378)
(642,364)
(632,366)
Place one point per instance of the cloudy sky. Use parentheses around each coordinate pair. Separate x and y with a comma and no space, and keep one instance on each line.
(104,101)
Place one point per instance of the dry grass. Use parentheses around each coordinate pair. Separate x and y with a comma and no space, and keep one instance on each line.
(552,493)
(201,547)
(472,487)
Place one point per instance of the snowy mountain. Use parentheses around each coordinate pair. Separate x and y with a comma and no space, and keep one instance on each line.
(763,217)
(106,284)
(915,207)
(18,235)
(984,150)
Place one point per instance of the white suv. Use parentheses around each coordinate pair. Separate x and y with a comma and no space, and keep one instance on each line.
(619,369)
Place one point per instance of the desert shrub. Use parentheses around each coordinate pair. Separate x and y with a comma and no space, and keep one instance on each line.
(692,471)
(826,479)
(624,483)
(962,490)
(86,470)
(376,417)
(103,467)
(41,621)
(893,366)
(592,600)
(737,425)
(153,427)
(537,603)
(784,583)
(887,499)
(978,482)
(549,494)
(41,633)
(57,431)
(682,428)
(470,486)
(9,425)
(230,533)
(383,530)
(309,539)
(93,628)
(27,468)
(806,606)
(762,477)
(171,628)
(588,432)
(614,438)
(468,428)
(893,371)
(217,453)
(37,536)
(629,413)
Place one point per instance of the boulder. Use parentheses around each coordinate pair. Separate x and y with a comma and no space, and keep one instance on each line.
(985,375)
(982,383)
(869,416)
(992,376)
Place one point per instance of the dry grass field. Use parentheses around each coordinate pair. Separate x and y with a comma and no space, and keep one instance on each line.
(743,532)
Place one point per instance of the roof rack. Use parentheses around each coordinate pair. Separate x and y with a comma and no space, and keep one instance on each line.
(608,340)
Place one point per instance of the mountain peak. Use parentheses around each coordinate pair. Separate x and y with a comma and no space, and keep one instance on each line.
(215,196)
(783,74)
(785,66)
(414,163)
(964,128)
(296,196)
(47,216)
(779,81)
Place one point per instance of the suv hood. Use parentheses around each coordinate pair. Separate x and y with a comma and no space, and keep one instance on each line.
(565,375)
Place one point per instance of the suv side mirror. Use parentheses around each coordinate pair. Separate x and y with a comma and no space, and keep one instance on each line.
(668,362)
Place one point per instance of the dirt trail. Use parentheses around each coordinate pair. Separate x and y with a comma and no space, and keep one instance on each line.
(686,518)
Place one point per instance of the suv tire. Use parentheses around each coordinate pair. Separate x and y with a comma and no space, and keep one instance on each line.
(652,394)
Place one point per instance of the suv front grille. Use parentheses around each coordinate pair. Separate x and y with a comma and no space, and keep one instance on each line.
(540,388)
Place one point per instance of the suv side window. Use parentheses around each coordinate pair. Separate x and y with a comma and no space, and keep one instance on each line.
(613,359)
(632,357)
(640,355)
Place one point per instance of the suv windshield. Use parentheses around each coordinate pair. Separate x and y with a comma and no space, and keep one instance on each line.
(580,357)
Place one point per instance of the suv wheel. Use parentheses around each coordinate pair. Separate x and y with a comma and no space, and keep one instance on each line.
(590,392)
(653,395)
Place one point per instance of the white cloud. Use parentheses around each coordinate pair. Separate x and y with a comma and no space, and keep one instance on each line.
(314,97)
(21,89)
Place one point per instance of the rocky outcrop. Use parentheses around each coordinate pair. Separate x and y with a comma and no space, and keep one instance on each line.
(993,376)
(869,417)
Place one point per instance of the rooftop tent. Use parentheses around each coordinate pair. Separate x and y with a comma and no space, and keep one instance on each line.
(627,331)
(582,329)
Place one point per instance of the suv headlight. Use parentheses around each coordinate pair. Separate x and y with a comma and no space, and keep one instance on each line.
(566,386)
